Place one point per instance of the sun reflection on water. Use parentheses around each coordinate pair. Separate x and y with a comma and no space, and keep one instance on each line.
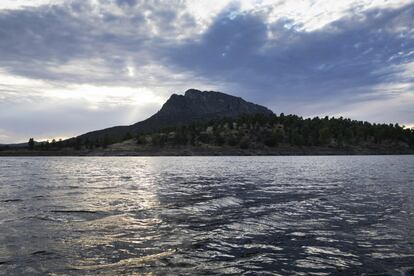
(211,215)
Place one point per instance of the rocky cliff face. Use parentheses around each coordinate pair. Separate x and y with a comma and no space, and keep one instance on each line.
(197,105)
(191,107)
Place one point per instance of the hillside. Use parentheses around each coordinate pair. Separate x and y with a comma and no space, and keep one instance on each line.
(264,135)
(213,123)
(193,106)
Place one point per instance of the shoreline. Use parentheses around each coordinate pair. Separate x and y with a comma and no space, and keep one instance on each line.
(212,151)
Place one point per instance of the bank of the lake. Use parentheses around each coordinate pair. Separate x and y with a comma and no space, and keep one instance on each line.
(131,149)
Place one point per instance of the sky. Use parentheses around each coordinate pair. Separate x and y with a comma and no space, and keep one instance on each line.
(72,66)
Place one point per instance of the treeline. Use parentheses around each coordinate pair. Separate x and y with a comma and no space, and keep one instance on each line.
(256,131)
(271,131)
(76,143)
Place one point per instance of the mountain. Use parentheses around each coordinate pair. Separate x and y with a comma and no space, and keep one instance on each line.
(193,106)
(214,123)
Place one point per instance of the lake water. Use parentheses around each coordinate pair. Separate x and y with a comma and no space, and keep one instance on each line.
(327,215)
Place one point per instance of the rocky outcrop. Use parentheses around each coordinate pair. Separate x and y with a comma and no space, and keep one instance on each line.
(193,106)
(196,105)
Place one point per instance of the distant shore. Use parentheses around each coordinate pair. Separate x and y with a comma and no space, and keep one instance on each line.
(212,151)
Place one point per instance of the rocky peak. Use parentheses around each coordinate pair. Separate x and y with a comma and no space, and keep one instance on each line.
(196,104)
(192,92)
(193,106)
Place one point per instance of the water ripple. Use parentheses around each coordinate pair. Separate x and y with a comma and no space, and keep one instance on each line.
(207,215)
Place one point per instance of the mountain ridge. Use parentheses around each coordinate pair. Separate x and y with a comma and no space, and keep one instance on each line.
(194,106)
(215,123)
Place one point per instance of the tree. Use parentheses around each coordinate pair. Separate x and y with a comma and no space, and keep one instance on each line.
(159,139)
(78,143)
(53,143)
(31,143)
(232,141)
(127,136)
(180,137)
(60,143)
(244,143)
(219,140)
(324,135)
(105,141)
(140,139)
(274,138)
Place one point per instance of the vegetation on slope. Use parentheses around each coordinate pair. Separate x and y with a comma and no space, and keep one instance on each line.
(257,131)
(270,131)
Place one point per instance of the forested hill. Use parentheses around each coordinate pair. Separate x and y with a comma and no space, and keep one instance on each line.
(216,123)
(270,131)
(248,134)
(256,134)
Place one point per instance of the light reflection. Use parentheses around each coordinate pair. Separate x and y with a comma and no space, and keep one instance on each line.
(184,215)
(115,212)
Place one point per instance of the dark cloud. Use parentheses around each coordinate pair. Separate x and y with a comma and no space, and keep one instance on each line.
(342,58)
(40,35)
(35,42)
(344,55)
(128,3)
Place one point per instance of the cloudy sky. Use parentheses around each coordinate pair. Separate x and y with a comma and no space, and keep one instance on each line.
(67,67)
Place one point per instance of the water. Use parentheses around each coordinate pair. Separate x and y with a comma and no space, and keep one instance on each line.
(207,215)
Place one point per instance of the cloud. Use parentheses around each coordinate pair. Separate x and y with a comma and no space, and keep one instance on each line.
(22,4)
(100,39)
(348,58)
(42,109)
(91,41)
(48,116)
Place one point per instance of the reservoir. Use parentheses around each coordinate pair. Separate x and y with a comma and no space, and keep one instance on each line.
(285,215)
